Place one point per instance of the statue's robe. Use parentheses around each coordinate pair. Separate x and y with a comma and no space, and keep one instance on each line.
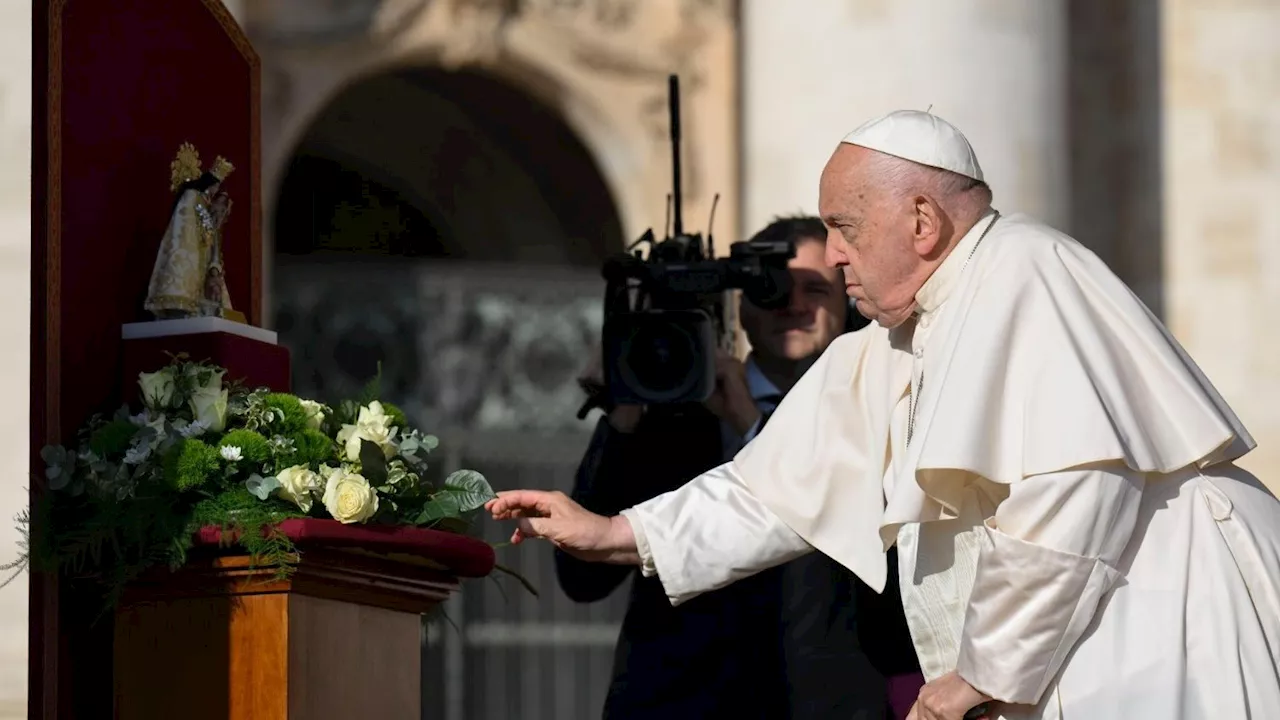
(187,251)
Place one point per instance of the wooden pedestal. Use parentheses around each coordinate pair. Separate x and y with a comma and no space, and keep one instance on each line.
(219,640)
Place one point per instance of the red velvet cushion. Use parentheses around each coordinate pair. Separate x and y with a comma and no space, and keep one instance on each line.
(463,556)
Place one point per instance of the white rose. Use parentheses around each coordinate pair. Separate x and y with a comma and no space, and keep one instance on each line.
(299,486)
(157,388)
(315,413)
(373,414)
(210,408)
(379,435)
(349,498)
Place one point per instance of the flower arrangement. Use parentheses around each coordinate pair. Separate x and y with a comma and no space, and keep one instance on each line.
(135,488)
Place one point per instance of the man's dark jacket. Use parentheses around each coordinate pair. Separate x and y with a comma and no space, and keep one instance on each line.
(803,641)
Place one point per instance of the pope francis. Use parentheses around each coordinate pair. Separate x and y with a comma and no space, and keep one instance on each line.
(1075,541)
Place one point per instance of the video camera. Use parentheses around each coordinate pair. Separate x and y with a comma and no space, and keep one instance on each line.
(665,313)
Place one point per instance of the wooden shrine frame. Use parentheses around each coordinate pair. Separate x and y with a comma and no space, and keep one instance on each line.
(48,695)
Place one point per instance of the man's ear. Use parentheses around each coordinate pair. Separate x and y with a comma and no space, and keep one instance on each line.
(928,226)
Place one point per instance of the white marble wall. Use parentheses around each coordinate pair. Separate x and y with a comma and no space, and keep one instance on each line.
(815,70)
(15,324)
(1221,137)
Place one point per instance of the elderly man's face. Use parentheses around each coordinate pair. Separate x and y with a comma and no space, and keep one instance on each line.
(870,236)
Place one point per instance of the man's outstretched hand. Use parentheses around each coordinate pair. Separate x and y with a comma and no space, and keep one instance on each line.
(553,516)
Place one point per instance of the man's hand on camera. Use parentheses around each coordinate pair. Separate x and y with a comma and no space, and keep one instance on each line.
(732,401)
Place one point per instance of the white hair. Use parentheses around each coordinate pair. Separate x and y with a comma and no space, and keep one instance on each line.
(951,190)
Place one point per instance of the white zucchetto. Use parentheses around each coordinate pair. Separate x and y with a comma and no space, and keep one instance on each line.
(919,137)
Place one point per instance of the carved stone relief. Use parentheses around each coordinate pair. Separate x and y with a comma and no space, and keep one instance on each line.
(463,350)
(602,63)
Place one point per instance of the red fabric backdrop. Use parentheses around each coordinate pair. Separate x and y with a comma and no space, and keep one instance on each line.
(138,78)
(117,86)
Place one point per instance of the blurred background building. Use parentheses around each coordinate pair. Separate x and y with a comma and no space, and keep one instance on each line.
(443,178)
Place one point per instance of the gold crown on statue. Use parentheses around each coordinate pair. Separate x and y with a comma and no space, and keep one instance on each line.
(221,168)
(185,167)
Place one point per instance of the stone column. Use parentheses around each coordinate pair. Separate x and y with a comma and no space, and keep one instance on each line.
(1113,111)
(1221,149)
(813,71)
(15,324)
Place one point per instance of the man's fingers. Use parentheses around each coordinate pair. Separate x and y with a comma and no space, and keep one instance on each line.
(527,502)
(532,527)
(520,536)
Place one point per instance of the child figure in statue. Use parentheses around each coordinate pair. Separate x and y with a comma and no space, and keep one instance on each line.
(216,300)
(188,278)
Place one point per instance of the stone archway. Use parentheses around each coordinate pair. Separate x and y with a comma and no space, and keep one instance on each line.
(601,65)
(496,175)
(508,220)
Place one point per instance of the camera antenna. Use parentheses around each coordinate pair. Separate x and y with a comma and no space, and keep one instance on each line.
(711,221)
(666,226)
(673,102)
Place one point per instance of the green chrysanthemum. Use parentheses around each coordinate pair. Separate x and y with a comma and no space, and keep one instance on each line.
(295,417)
(189,464)
(311,448)
(253,446)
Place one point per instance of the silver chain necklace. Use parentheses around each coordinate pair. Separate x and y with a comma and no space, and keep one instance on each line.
(919,390)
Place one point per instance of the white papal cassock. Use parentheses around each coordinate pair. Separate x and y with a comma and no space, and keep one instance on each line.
(1057,474)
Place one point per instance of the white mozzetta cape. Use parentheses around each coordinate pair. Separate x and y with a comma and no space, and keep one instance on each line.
(1074,539)
(1042,361)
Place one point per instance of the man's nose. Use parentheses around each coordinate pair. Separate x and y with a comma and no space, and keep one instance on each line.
(798,303)
(832,254)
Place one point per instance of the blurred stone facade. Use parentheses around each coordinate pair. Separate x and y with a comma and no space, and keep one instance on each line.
(1221,155)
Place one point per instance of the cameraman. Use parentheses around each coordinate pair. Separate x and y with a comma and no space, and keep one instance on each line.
(781,644)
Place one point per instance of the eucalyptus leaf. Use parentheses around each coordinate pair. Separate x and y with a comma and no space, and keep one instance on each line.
(373,463)
(261,487)
(429,442)
(53,454)
(470,488)
(145,434)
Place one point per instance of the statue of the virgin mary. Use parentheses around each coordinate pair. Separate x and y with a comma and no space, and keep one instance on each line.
(188,278)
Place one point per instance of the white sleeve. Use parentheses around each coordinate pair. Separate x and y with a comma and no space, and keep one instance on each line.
(1049,557)
(709,533)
